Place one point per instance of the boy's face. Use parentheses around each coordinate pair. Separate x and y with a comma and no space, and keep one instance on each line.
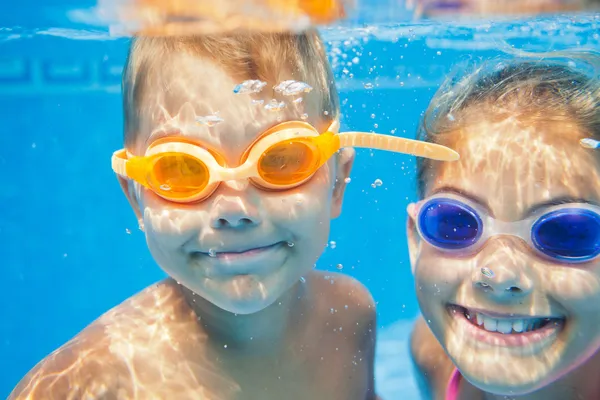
(242,247)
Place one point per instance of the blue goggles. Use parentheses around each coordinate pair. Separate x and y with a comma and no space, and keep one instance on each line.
(567,233)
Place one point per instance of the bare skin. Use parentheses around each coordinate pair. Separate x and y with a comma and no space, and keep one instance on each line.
(531,167)
(244,315)
(154,346)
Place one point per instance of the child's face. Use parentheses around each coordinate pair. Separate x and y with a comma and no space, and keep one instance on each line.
(242,247)
(510,171)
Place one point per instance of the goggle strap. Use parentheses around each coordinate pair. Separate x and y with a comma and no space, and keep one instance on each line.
(397,144)
(119,163)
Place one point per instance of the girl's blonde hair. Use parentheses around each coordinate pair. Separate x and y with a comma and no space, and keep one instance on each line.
(555,86)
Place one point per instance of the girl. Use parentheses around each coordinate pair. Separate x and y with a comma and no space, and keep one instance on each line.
(505,243)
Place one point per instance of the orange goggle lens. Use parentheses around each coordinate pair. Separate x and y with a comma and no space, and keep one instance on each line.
(288,163)
(178,176)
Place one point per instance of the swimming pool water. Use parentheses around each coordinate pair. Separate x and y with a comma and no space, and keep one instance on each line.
(71,247)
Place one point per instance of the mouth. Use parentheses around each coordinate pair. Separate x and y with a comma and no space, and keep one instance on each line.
(246,255)
(245,252)
(508,329)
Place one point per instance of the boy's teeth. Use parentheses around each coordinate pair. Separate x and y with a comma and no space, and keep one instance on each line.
(505,325)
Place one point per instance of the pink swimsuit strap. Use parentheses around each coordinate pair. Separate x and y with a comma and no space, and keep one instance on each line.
(453,384)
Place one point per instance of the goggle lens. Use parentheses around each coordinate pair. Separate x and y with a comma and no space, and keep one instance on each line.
(178,176)
(569,234)
(449,225)
(288,163)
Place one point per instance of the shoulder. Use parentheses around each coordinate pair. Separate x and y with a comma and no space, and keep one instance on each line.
(343,300)
(432,365)
(96,362)
(82,368)
(342,291)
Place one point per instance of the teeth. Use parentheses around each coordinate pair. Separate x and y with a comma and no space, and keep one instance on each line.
(490,324)
(518,325)
(505,325)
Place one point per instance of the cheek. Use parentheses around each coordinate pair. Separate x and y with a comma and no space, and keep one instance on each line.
(577,288)
(169,223)
(438,274)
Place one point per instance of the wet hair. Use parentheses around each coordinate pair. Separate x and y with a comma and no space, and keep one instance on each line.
(264,56)
(535,91)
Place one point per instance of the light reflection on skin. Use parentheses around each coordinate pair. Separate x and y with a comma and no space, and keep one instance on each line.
(511,166)
(218,329)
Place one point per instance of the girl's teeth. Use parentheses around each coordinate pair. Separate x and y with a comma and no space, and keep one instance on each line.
(505,325)
(518,325)
(490,324)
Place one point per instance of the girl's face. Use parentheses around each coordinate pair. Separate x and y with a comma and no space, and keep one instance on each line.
(511,319)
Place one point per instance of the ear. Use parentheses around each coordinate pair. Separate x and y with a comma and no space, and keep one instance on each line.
(414,241)
(129,191)
(345,160)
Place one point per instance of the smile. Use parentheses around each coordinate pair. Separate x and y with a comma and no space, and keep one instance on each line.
(512,330)
(242,261)
(240,253)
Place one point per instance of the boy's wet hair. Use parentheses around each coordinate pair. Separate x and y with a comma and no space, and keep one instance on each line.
(262,56)
(538,91)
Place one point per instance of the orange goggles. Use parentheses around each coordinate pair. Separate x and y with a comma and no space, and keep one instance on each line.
(285,156)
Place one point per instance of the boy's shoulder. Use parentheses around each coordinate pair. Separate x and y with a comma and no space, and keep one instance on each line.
(338,295)
(97,361)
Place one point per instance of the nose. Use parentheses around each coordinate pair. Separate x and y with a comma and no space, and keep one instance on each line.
(502,271)
(234,212)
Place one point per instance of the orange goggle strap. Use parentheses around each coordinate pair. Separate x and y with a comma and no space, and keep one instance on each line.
(132,167)
(398,145)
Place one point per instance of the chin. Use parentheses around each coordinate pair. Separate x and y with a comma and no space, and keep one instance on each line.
(243,305)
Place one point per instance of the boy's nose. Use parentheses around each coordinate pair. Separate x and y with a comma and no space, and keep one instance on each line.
(234,212)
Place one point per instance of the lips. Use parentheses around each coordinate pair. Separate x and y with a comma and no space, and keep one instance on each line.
(504,329)
(240,252)
(505,324)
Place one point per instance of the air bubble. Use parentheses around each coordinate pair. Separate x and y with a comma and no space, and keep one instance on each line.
(304,116)
(339,267)
(332,244)
(209,120)
(275,105)
(290,244)
(347,180)
(249,86)
(377,183)
(487,272)
(212,253)
(292,88)
(165,187)
(368,86)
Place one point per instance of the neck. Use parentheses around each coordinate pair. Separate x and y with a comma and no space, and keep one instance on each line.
(265,329)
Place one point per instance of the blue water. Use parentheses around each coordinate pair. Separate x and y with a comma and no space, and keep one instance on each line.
(70,244)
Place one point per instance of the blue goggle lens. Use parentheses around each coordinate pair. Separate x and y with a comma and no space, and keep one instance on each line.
(449,224)
(568,234)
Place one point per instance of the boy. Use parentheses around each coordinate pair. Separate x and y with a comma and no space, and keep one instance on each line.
(243,315)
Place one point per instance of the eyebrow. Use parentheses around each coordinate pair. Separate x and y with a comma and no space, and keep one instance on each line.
(531,210)
(461,192)
(556,202)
